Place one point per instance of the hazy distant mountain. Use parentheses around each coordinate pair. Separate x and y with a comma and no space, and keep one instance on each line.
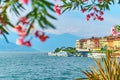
(55,40)
(62,40)
(12,47)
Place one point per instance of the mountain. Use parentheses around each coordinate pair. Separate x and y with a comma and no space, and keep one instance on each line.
(62,40)
(55,40)
(12,47)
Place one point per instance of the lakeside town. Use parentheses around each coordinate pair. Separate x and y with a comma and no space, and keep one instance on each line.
(95,47)
(100,44)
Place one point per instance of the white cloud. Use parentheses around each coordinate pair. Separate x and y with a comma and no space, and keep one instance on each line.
(75,23)
(80,27)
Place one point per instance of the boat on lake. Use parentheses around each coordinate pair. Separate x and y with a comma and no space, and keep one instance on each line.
(96,55)
(61,53)
(51,54)
(66,54)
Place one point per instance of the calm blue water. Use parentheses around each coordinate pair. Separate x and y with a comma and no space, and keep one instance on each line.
(34,66)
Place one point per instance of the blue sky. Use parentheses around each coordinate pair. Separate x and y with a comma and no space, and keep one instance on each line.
(71,26)
(74,22)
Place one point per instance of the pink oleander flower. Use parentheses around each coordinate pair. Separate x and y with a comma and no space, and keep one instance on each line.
(27,43)
(100,1)
(37,33)
(43,37)
(87,17)
(23,20)
(83,10)
(114,32)
(23,1)
(19,31)
(20,41)
(101,12)
(22,33)
(57,9)
(91,14)
(17,28)
(94,8)
(99,18)
(1,32)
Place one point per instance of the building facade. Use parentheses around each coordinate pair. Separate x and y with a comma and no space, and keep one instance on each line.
(103,42)
(98,43)
(116,43)
(93,43)
(77,45)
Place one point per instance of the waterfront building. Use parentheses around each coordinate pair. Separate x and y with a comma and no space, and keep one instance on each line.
(103,42)
(96,43)
(89,45)
(116,42)
(77,45)
(83,43)
(93,43)
(110,44)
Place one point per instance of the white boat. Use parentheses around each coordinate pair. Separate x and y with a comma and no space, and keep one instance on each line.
(61,53)
(51,54)
(96,55)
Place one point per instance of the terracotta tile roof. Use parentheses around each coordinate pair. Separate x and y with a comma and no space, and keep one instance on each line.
(83,40)
(117,39)
(96,39)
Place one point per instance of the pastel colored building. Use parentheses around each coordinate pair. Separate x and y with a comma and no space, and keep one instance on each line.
(110,43)
(93,43)
(83,43)
(116,42)
(103,42)
(77,45)
(96,43)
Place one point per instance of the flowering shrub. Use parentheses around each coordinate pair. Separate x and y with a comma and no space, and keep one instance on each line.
(40,14)
(25,25)
(115,30)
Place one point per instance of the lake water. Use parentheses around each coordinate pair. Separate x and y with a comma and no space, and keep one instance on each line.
(37,66)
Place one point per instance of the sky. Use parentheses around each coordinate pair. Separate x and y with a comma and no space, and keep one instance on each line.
(74,22)
(71,26)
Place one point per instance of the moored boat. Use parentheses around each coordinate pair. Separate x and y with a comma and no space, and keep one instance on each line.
(51,54)
(96,55)
(61,53)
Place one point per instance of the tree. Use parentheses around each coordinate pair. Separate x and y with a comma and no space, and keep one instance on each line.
(70,50)
(40,14)
(57,50)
